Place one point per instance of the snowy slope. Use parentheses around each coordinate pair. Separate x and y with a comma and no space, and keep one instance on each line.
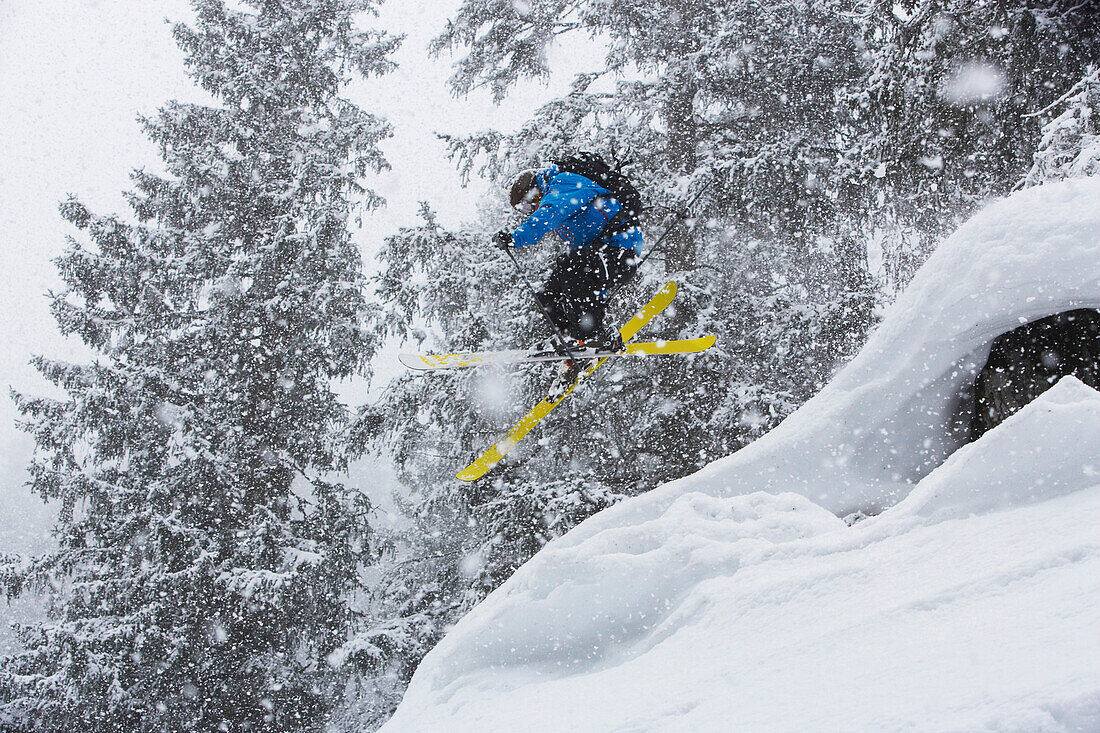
(735,599)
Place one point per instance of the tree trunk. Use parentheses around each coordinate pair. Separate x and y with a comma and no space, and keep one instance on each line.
(683,137)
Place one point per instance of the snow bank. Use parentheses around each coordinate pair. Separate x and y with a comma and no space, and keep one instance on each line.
(1006,467)
(735,599)
(984,623)
(577,603)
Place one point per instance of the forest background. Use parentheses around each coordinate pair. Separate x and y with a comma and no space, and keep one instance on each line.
(839,142)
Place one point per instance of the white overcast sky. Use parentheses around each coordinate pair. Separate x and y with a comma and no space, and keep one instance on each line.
(74,75)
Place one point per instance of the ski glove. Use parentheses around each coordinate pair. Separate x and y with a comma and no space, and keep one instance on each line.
(503,239)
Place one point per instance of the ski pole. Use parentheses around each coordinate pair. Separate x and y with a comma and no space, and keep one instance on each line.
(681,216)
(549,319)
(660,239)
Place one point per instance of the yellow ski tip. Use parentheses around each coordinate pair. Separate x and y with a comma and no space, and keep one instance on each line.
(707,342)
(481,466)
(658,303)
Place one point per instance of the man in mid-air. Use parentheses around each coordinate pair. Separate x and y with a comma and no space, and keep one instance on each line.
(604,244)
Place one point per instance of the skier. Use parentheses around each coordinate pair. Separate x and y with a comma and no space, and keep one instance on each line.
(604,243)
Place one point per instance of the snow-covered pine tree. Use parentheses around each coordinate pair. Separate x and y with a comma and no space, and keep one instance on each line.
(1070,147)
(687,90)
(945,119)
(204,560)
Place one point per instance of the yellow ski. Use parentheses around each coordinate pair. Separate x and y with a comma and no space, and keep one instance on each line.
(496,452)
(670,346)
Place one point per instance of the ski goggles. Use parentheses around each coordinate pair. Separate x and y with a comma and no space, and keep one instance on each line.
(530,202)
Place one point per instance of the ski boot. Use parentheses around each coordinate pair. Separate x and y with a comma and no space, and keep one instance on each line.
(560,345)
(567,374)
(608,340)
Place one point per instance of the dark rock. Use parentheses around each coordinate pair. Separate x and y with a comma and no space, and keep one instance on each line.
(1027,361)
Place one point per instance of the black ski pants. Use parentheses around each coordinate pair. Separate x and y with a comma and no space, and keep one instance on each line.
(576,292)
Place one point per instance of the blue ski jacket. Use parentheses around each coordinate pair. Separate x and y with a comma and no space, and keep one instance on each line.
(576,209)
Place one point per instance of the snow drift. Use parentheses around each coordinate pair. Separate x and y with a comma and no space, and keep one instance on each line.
(736,599)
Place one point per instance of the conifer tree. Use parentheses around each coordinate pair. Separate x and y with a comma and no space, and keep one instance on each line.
(204,557)
(946,117)
(1070,146)
(736,89)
